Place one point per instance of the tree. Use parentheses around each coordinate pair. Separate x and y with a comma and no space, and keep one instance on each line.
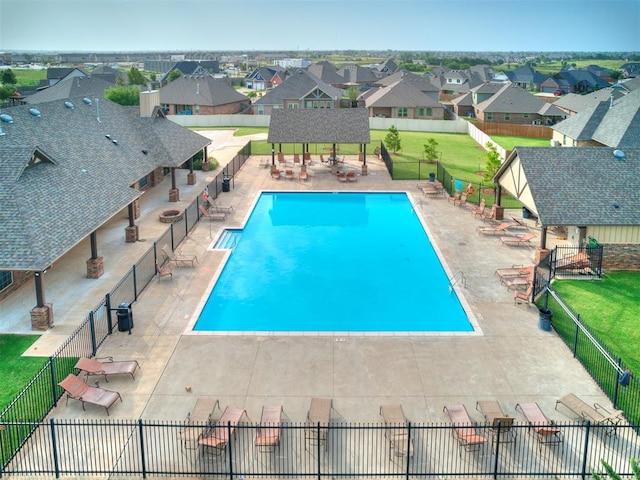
(135,77)
(492,161)
(173,74)
(127,96)
(431,153)
(610,473)
(5,92)
(8,77)
(392,139)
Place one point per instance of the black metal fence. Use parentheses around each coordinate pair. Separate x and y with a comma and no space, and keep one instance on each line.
(152,448)
(41,394)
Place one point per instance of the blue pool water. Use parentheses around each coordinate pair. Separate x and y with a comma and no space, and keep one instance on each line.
(333,262)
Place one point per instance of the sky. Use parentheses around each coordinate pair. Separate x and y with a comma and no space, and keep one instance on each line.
(312,25)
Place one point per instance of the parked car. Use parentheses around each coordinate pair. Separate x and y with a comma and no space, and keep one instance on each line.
(559,92)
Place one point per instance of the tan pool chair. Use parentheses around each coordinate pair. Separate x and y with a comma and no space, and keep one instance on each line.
(85,393)
(197,422)
(464,430)
(545,430)
(519,240)
(487,230)
(497,419)
(212,215)
(95,366)
(317,423)
(269,430)
(217,438)
(396,431)
(288,174)
(514,271)
(596,414)
(164,270)
(179,260)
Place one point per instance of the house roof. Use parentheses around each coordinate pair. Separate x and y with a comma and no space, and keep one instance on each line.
(465,100)
(357,74)
(580,185)
(574,77)
(620,127)
(513,99)
(327,125)
(574,102)
(92,87)
(296,87)
(526,74)
(200,90)
(403,93)
(326,72)
(61,177)
(582,125)
(422,83)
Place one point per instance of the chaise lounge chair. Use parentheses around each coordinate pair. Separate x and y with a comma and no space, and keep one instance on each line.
(93,366)
(464,430)
(544,429)
(520,240)
(455,198)
(496,418)
(524,295)
(197,422)
(514,271)
(179,260)
(596,414)
(491,214)
(351,176)
(317,423)
(486,230)
(479,210)
(303,175)
(396,431)
(85,393)
(268,432)
(164,270)
(212,215)
(288,174)
(462,200)
(217,438)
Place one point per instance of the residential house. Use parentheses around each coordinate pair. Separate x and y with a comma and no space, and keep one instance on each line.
(630,70)
(386,68)
(403,99)
(574,103)
(109,74)
(285,63)
(513,104)
(591,191)
(421,82)
(300,90)
(355,75)
(465,104)
(265,78)
(527,78)
(71,87)
(190,67)
(201,95)
(453,83)
(577,81)
(327,72)
(67,168)
(55,74)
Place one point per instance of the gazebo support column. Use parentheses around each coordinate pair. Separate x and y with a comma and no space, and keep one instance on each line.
(174,193)
(273,154)
(191,176)
(95,267)
(365,169)
(42,313)
(131,232)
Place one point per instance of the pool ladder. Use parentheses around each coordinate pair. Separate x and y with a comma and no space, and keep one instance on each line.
(458,277)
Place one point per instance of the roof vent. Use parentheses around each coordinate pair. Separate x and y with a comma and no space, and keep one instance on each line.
(145,151)
(87,101)
(619,154)
(114,141)
(35,112)
(69,105)
(6,118)
(108,136)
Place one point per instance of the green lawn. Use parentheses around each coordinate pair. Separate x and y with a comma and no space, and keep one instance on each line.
(16,371)
(611,308)
(509,143)
(28,76)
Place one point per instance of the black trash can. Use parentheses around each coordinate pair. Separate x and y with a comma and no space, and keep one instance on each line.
(125,317)
(544,319)
(526,213)
(432,177)
(226,186)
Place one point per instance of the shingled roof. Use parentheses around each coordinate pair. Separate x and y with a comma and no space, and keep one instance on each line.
(350,125)
(67,171)
(403,93)
(581,185)
(73,87)
(620,127)
(200,90)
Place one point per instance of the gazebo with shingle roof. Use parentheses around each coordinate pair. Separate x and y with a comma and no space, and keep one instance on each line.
(306,126)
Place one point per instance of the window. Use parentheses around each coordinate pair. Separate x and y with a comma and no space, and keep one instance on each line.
(309,104)
(402,112)
(429,112)
(421,111)
(507,116)
(196,109)
(143,182)
(260,109)
(292,106)
(525,115)
(6,279)
(489,116)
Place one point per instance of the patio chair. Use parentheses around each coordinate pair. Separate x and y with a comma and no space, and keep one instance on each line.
(296,159)
(515,283)
(212,215)
(596,414)
(545,430)
(268,432)
(351,176)
(519,240)
(303,175)
(455,198)
(487,230)
(275,174)
(197,422)
(317,423)
(464,430)
(216,439)
(462,200)
(514,271)
(496,418)
(288,174)
(479,210)
(164,270)
(396,431)
(281,159)
(94,366)
(85,393)
(179,260)
(523,295)
(491,214)
(217,208)
(342,177)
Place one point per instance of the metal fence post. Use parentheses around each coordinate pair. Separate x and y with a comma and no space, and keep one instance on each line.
(495,462)
(54,446)
(587,431)
(230,447)
(53,383)
(135,284)
(617,387)
(92,330)
(143,460)
(171,232)
(575,338)
(408,450)
(319,445)
(107,305)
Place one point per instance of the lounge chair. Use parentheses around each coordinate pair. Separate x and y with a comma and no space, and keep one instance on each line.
(179,260)
(288,174)
(217,438)
(197,422)
(478,210)
(545,430)
(396,431)
(519,240)
(487,230)
(491,214)
(464,430)
(596,414)
(219,208)
(164,270)
(281,160)
(93,366)
(212,216)
(455,198)
(268,432)
(523,295)
(317,423)
(342,177)
(351,176)
(462,200)
(303,175)
(514,283)
(85,393)
(275,174)
(496,418)
(514,271)
(296,159)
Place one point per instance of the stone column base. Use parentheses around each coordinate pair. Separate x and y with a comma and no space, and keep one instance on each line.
(540,254)
(42,317)
(95,267)
(303,168)
(174,195)
(361,157)
(131,234)
(365,169)
(191,178)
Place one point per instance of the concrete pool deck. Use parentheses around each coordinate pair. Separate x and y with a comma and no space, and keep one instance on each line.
(512,361)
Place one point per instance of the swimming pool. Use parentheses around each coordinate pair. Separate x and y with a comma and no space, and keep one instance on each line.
(333,262)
